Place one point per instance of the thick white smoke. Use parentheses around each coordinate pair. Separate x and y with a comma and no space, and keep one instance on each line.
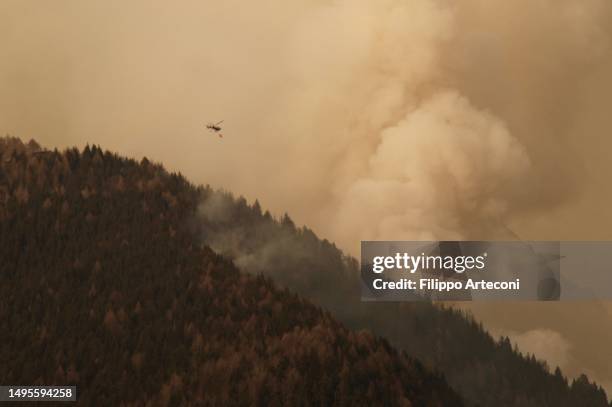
(422,119)
(436,174)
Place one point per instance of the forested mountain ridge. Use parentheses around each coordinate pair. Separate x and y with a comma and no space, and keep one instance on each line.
(484,370)
(145,222)
(106,286)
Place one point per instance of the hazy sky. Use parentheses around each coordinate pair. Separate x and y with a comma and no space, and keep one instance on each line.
(389,119)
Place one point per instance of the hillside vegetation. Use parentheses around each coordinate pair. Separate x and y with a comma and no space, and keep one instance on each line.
(123,279)
(105,287)
(486,371)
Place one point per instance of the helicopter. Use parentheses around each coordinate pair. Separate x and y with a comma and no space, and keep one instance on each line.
(215,127)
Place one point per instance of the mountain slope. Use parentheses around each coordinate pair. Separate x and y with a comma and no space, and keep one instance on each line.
(105,286)
(485,371)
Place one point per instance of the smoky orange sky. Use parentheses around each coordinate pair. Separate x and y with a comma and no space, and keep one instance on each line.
(387,119)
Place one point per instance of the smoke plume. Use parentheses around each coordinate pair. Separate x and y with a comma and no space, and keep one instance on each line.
(366,120)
